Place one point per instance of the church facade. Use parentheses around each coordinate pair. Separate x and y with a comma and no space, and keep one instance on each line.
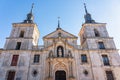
(60,58)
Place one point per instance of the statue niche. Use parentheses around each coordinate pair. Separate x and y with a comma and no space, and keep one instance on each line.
(50,54)
(69,54)
(60,51)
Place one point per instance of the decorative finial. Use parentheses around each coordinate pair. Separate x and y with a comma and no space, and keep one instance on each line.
(30,16)
(58,22)
(88,18)
(32,7)
(85,8)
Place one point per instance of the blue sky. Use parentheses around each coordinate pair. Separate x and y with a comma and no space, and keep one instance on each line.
(70,11)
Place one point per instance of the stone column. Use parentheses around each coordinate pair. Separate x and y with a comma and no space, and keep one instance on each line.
(71,77)
(50,70)
(70,68)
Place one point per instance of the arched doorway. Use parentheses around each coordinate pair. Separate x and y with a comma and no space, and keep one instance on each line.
(60,75)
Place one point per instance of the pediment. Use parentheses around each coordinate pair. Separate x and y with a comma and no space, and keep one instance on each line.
(60,33)
(62,43)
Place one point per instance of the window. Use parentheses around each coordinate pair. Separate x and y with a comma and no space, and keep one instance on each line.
(18,78)
(109,75)
(85,72)
(14,60)
(22,34)
(105,60)
(18,46)
(84,58)
(11,75)
(96,33)
(34,73)
(101,45)
(36,58)
(60,51)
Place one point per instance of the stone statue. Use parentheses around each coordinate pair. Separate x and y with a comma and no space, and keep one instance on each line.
(51,54)
(69,54)
(60,52)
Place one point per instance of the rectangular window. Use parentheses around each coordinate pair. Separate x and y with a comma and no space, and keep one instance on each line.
(105,60)
(84,58)
(101,45)
(36,58)
(14,60)
(18,46)
(109,75)
(11,75)
(18,78)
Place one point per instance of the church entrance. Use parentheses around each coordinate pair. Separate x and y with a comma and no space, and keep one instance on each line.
(60,75)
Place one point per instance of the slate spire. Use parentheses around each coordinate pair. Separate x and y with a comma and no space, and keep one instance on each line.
(85,8)
(87,16)
(58,27)
(30,17)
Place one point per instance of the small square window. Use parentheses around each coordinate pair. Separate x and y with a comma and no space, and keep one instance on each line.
(84,58)
(36,58)
(101,45)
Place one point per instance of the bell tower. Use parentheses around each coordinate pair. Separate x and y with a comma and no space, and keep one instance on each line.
(24,35)
(94,35)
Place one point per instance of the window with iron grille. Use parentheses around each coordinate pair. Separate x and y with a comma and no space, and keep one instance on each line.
(109,75)
(105,60)
(83,58)
(11,75)
(36,58)
(101,45)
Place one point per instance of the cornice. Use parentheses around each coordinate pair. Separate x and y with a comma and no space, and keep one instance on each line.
(94,24)
(23,24)
(26,25)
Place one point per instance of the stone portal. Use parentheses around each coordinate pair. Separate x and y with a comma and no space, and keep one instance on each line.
(60,75)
